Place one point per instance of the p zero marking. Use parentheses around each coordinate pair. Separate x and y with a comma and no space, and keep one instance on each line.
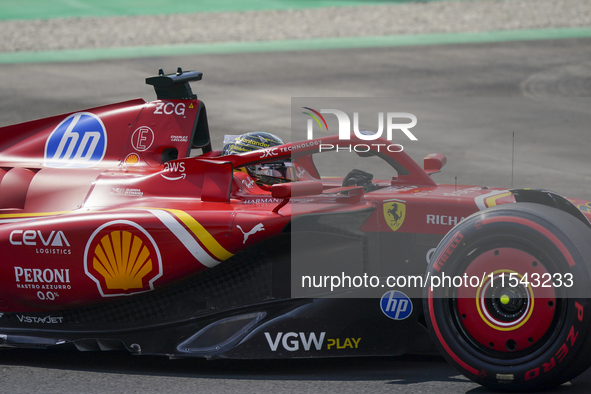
(187,239)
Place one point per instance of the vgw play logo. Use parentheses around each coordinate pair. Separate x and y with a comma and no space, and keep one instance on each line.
(392,120)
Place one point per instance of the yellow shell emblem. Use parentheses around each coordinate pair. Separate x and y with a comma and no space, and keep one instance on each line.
(394,214)
(123,260)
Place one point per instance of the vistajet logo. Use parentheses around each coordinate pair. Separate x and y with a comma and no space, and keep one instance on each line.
(392,121)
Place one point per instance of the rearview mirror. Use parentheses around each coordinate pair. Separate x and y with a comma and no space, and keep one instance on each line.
(434,162)
(295,189)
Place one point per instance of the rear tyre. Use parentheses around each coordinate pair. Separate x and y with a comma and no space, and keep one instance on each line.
(509,302)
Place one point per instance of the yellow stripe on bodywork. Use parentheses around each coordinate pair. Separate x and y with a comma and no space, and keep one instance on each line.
(202,234)
(26,215)
(212,245)
(15,217)
(492,201)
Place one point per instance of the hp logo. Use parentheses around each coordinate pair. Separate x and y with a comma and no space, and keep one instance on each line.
(79,141)
(396,305)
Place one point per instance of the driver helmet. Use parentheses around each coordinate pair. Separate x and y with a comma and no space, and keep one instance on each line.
(268,173)
(234,145)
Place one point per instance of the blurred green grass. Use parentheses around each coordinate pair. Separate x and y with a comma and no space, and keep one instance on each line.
(48,9)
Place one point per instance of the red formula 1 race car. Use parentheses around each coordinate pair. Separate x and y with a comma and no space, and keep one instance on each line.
(114,237)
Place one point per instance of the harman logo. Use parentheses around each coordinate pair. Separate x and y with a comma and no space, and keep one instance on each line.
(396,305)
(394,213)
(345,129)
(122,259)
(79,141)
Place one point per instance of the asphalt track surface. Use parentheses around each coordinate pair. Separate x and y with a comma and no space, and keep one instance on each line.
(472,97)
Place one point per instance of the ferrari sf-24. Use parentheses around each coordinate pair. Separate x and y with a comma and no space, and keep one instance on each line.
(121,228)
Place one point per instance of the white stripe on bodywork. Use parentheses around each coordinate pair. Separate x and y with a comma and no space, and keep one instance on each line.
(185,237)
(15,220)
(480,199)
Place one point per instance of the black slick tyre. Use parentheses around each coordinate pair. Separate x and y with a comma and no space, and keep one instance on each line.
(508,293)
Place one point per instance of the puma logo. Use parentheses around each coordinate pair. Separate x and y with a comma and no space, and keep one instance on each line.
(255,229)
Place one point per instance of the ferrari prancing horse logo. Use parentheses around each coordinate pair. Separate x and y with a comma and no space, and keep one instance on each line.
(394,214)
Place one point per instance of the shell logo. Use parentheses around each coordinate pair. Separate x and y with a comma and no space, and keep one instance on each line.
(132,159)
(122,259)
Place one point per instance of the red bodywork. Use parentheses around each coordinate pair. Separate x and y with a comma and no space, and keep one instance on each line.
(94,211)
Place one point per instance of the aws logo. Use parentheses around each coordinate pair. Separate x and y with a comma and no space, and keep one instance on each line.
(122,259)
(79,141)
